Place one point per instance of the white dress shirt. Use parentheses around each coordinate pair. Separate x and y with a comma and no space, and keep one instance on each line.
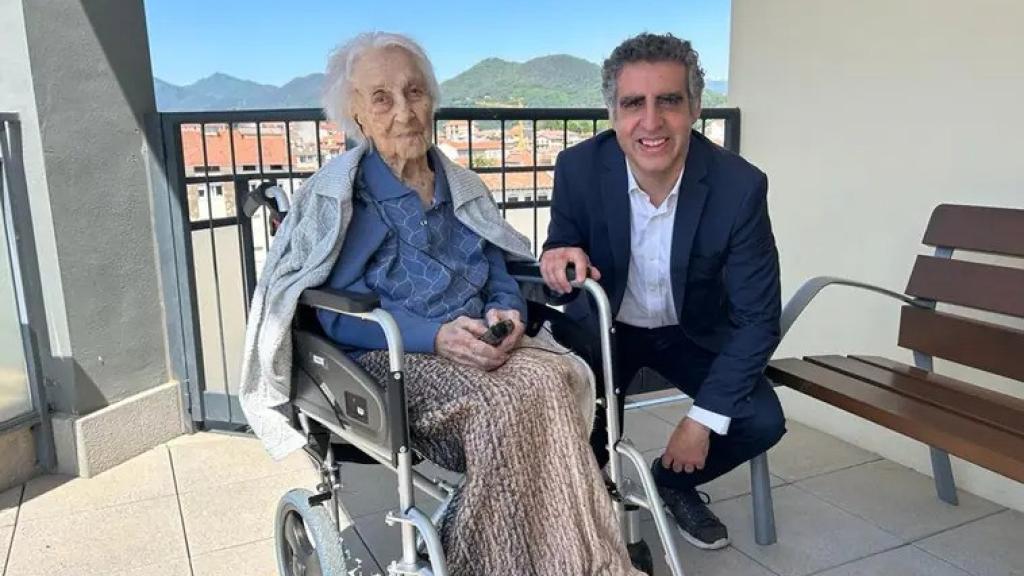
(648,301)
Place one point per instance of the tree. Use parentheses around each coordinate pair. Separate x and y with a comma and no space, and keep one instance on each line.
(712,99)
(484,162)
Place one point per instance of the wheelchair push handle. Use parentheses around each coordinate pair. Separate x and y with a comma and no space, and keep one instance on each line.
(570,272)
(497,333)
(270,196)
(531,270)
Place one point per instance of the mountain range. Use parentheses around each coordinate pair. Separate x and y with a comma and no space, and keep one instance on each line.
(558,80)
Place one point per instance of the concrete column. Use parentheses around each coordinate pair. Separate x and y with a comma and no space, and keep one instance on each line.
(78,72)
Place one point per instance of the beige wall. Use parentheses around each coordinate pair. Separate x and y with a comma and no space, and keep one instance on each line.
(866,115)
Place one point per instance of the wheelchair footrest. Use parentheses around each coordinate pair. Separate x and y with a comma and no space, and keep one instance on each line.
(358,559)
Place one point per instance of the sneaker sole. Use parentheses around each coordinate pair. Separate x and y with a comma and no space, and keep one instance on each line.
(716,545)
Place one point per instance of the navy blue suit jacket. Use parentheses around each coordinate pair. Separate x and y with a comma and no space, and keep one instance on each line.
(724,266)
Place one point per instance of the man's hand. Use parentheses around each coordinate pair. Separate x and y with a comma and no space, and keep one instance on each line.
(494,316)
(458,340)
(687,448)
(554,262)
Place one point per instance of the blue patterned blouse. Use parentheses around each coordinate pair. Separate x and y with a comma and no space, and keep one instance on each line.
(428,267)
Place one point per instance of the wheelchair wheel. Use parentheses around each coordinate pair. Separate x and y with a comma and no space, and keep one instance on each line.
(307,539)
(640,556)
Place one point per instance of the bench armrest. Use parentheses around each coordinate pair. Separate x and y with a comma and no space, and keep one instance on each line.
(812,287)
(339,301)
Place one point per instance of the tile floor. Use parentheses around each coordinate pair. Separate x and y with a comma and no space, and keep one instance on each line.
(203,505)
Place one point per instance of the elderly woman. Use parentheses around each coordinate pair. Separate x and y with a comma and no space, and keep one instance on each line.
(394,217)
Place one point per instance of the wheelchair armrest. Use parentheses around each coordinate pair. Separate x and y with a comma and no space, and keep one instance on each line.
(339,301)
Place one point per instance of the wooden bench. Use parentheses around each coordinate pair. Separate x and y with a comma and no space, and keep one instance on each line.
(951,416)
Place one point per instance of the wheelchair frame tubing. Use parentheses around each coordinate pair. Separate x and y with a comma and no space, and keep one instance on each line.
(411,518)
(611,398)
(617,446)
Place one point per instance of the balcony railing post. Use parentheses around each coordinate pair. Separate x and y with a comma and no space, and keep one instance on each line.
(184,264)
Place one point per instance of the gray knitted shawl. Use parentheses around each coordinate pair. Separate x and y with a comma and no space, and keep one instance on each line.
(302,255)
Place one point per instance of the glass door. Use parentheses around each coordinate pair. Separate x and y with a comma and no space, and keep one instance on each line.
(15,392)
(23,331)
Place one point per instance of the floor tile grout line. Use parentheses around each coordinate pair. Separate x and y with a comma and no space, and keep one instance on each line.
(943,560)
(66,514)
(877,458)
(735,548)
(796,484)
(181,514)
(859,558)
(233,546)
(14,531)
(234,483)
(754,560)
(960,525)
(901,542)
(769,569)
(905,539)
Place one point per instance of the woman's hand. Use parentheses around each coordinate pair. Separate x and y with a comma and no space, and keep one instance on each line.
(495,315)
(459,341)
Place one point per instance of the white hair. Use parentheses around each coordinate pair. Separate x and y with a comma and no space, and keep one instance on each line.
(338,82)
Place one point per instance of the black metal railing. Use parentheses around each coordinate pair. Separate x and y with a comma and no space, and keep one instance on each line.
(214,158)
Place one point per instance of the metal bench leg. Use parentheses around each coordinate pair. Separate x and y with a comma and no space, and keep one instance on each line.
(945,485)
(761,495)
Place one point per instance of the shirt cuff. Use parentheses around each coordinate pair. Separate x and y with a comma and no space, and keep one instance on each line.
(716,422)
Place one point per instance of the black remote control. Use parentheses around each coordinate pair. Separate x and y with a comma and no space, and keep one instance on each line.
(498,332)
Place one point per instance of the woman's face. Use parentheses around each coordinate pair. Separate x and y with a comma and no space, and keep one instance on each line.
(391,102)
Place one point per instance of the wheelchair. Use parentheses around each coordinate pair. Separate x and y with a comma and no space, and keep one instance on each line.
(348,416)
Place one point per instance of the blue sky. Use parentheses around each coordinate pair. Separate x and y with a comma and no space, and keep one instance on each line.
(274,41)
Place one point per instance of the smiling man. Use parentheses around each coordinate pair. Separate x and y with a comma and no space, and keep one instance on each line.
(676,230)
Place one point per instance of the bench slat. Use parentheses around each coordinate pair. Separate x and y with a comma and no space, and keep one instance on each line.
(1012,402)
(960,398)
(977,228)
(992,288)
(974,343)
(966,438)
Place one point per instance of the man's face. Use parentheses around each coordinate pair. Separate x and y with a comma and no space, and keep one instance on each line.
(653,116)
(391,102)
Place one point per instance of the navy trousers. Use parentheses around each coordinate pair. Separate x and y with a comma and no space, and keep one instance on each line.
(675,357)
